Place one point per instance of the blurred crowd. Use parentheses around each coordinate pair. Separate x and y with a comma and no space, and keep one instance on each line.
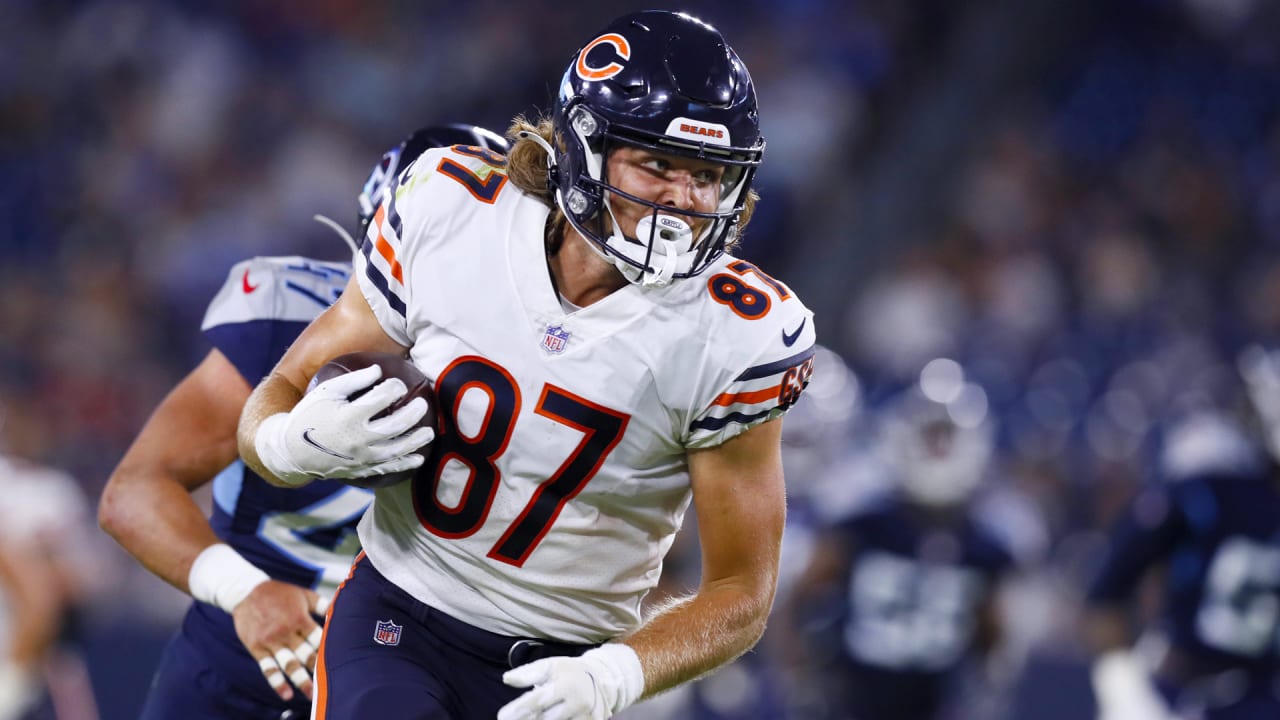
(1078,202)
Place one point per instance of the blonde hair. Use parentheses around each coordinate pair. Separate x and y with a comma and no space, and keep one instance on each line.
(527,170)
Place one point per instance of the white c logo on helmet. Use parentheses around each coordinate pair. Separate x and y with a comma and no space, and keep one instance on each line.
(620,46)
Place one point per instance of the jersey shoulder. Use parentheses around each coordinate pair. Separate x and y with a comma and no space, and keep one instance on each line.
(290,289)
(455,197)
(442,186)
(1207,444)
(760,343)
(263,306)
(745,306)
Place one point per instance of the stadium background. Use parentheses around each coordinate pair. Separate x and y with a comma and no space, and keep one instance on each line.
(1080,200)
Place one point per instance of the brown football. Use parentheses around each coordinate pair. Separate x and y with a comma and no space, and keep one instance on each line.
(392,366)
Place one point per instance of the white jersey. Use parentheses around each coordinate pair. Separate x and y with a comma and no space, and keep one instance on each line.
(46,511)
(559,477)
(42,505)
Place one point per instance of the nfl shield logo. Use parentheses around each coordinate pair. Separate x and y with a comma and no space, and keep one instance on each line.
(386,632)
(555,340)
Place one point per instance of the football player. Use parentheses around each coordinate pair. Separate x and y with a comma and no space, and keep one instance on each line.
(1213,525)
(48,573)
(600,361)
(263,566)
(900,594)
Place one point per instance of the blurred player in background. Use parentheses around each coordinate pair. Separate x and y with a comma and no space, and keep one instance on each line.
(899,598)
(1212,524)
(600,362)
(263,567)
(48,572)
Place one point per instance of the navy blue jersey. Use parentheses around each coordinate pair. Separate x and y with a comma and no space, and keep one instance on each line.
(304,536)
(907,618)
(1219,538)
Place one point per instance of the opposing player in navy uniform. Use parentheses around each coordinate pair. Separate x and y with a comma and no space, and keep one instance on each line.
(601,364)
(1212,522)
(264,565)
(900,593)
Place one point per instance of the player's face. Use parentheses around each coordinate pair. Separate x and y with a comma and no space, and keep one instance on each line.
(677,182)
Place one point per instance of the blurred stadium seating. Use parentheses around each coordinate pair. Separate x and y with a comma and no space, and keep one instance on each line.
(1078,200)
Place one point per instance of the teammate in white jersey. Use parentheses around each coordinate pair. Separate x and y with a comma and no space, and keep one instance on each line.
(49,560)
(599,363)
(266,560)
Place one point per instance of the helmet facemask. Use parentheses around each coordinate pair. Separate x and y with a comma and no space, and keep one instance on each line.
(665,247)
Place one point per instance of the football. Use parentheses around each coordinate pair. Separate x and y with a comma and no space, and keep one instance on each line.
(392,366)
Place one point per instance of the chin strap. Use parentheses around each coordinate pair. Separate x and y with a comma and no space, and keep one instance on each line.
(542,143)
(629,255)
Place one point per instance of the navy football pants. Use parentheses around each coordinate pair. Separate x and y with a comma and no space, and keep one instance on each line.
(190,685)
(386,655)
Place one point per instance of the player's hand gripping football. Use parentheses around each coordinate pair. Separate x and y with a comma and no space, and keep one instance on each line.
(593,686)
(276,623)
(329,435)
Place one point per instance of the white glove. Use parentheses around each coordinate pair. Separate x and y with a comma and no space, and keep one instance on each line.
(1123,690)
(328,436)
(593,686)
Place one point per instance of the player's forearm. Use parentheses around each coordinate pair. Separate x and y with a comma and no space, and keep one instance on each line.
(165,542)
(273,395)
(691,636)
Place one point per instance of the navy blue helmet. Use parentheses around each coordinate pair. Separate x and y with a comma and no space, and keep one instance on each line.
(666,82)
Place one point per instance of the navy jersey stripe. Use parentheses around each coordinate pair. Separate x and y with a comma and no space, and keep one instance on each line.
(379,281)
(393,215)
(773,368)
(306,293)
(716,423)
(227,486)
(319,271)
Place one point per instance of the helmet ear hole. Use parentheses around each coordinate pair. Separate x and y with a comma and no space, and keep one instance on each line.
(585,123)
(579,204)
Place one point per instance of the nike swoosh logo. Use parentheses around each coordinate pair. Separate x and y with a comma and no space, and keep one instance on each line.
(790,339)
(306,437)
(244,282)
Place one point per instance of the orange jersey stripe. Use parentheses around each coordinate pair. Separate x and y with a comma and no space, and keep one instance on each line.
(384,247)
(748,398)
(321,676)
